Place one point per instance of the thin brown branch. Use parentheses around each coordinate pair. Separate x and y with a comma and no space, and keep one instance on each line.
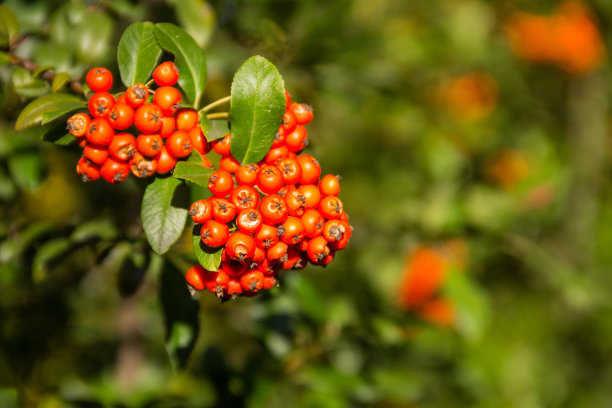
(48,75)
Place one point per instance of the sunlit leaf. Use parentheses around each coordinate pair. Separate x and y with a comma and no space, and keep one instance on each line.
(60,79)
(257,107)
(188,57)
(65,140)
(33,113)
(217,130)
(53,115)
(193,172)
(138,53)
(162,221)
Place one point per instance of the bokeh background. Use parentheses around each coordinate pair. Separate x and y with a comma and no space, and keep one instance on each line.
(473,141)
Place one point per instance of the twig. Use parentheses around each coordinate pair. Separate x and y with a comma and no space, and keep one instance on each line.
(48,75)
(214,104)
(220,115)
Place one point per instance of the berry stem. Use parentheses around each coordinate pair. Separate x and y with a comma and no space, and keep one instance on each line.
(219,115)
(214,104)
(149,83)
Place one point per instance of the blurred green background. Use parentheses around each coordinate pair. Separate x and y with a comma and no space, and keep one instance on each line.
(444,138)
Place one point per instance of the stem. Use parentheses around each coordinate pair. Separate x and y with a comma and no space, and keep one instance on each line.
(587,108)
(214,104)
(149,83)
(219,115)
(48,75)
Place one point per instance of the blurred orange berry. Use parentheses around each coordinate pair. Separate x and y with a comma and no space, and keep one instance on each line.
(569,38)
(422,277)
(440,312)
(469,97)
(507,168)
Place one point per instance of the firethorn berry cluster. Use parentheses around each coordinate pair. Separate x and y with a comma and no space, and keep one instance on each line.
(139,131)
(269,216)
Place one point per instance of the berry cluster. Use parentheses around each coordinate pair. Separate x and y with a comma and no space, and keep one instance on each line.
(139,131)
(269,216)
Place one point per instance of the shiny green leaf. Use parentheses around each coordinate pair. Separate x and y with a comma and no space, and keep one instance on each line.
(217,130)
(257,107)
(193,172)
(162,220)
(188,57)
(138,53)
(60,79)
(65,140)
(33,113)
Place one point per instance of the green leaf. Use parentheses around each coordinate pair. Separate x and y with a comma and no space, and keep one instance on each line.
(48,252)
(34,89)
(60,25)
(473,309)
(59,56)
(4,58)
(33,113)
(40,70)
(8,397)
(195,158)
(26,169)
(25,84)
(162,222)
(9,25)
(65,140)
(8,191)
(102,229)
(53,115)
(209,258)
(198,18)
(26,238)
(93,36)
(180,312)
(54,133)
(138,53)
(217,130)
(188,57)
(60,79)
(193,172)
(181,337)
(257,107)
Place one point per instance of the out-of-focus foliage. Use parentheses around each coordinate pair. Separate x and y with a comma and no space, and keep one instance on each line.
(449,139)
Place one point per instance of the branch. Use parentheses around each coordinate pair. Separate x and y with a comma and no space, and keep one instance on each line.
(48,75)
